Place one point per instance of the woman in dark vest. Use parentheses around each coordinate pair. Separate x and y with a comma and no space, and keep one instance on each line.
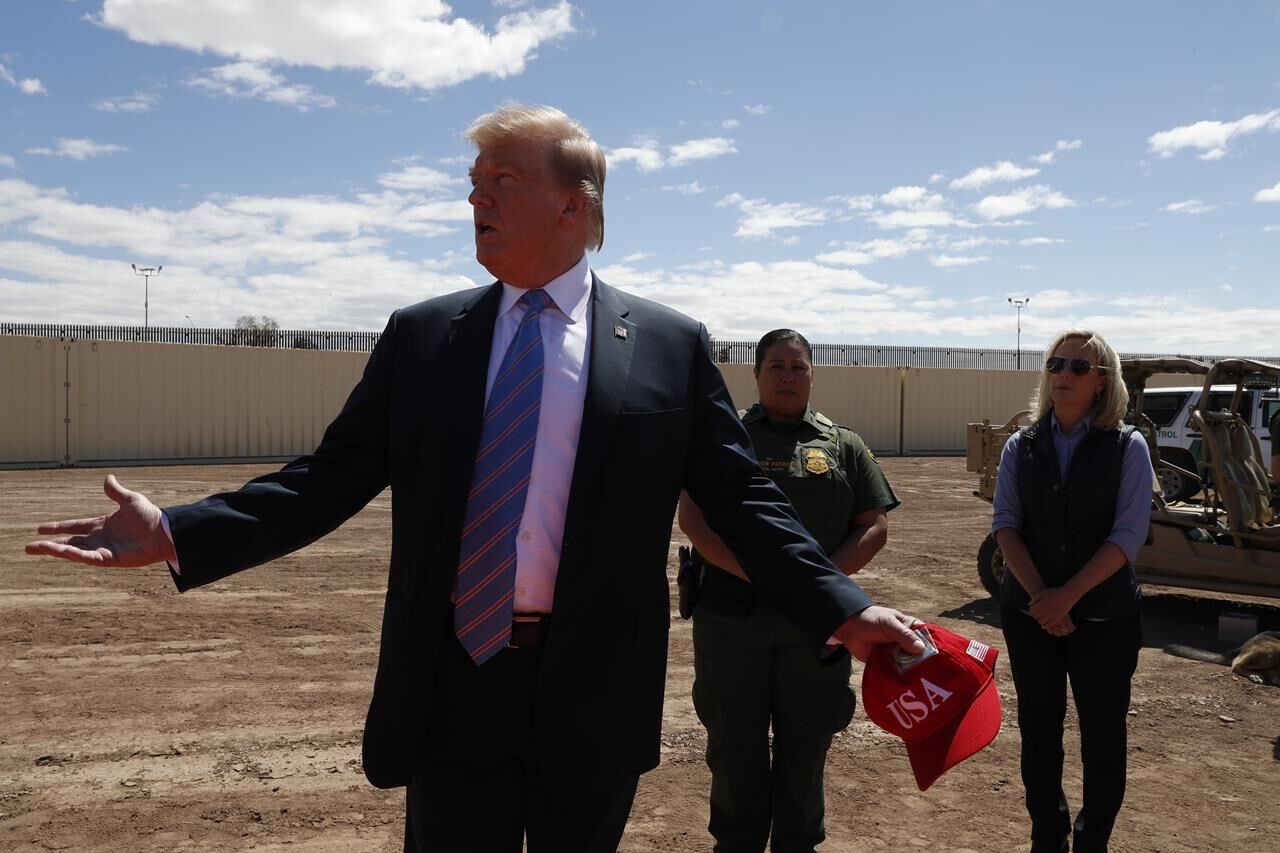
(1072,506)
(753,668)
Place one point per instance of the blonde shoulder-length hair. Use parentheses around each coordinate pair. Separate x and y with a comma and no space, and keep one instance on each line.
(1108,411)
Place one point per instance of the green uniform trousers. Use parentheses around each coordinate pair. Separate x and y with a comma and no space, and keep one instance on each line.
(753,668)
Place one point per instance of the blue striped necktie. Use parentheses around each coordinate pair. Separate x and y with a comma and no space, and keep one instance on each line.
(485,591)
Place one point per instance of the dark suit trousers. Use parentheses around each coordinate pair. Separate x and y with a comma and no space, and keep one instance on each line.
(479,788)
(1099,658)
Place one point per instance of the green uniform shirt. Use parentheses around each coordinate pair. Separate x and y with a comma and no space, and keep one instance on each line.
(825,469)
(827,473)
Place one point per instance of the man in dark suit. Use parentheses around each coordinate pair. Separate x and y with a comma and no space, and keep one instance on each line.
(536,434)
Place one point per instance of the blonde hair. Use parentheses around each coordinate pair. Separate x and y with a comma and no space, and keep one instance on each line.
(1108,410)
(576,158)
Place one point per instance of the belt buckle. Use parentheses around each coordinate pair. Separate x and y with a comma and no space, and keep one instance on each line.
(527,630)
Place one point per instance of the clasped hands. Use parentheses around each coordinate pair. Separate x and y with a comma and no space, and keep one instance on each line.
(1051,607)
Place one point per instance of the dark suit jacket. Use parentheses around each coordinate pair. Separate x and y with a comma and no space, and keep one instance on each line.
(657,418)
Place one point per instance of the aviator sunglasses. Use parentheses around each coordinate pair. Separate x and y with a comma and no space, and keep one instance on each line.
(1078,366)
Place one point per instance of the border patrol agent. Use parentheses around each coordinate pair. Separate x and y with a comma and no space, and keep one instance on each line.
(753,668)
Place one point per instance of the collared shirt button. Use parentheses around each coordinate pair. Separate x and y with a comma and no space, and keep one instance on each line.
(526,536)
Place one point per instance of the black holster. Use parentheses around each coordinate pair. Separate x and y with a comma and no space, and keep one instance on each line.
(689,580)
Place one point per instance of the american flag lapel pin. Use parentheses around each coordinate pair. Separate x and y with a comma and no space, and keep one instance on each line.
(620,332)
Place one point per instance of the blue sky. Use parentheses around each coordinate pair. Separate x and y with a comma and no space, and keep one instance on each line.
(871,173)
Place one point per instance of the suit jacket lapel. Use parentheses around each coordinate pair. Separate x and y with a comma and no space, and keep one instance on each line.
(613,338)
(466,366)
(452,380)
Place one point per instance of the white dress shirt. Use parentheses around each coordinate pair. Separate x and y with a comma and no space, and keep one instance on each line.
(566,339)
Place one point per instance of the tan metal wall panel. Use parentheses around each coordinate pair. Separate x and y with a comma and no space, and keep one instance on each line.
(140,402)
(938,403)
(31,401)
(173,402)
(865,399)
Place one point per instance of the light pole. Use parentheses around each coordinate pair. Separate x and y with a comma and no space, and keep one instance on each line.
(146,273)
(1019,304)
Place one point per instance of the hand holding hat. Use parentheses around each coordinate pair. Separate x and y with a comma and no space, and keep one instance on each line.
(943,702)
(865,631)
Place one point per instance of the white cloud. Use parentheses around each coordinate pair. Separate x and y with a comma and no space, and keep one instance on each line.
(648,156)
(78,149)
(232,232)
(966,243)
(740,301)
(1270,228)
(138,102)
(760,219)
(409,45)
(1061,145)
(1002,172)
(419,179)
(1211,137)
(691,188)
(858,202)
(308,261)
(7,160)
(950,261)
(1193,206)
(913,198)
(645,154)
(1268,194)
(1021,201)
(27,85)
(1040,241)
(757,109)
(730,123)
(637,256)
(1226,287)
(250,80)
(700,149)
(870,251)
(846,258)
(917,208)
(915,219)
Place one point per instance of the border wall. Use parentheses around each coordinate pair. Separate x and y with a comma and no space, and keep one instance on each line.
(84,402)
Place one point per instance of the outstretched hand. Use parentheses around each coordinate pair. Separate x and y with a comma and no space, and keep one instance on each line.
(875,625)
(130,536)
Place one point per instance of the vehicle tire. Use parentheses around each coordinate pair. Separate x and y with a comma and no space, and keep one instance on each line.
(990,566)
(1174,486)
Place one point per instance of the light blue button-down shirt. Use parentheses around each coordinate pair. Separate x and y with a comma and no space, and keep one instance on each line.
(1133,501)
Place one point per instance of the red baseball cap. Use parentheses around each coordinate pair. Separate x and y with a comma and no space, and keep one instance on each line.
(943,703)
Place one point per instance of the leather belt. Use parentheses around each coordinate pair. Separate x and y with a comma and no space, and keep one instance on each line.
(529,630)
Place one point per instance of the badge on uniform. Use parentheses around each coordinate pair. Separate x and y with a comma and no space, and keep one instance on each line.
(815,461)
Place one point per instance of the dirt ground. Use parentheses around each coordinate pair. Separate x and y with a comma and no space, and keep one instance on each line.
(229,718)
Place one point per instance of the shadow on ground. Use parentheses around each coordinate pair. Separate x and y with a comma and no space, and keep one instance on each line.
(1167,617)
